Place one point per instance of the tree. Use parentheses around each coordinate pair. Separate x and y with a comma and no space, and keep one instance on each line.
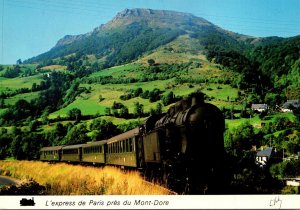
(19,61)
(157,110)
(15,147)
(75,113)
(138,109)
(33,125)
(168,99)
(124,112)
(107,111)
(103,129)
(76,135)
(2,103)
(240,139)
(151,62)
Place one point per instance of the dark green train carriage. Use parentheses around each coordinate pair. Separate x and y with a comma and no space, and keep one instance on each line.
(51,153)
(94,152)
(72,153)
(122,149)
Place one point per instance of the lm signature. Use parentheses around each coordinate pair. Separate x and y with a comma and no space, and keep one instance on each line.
(276,202)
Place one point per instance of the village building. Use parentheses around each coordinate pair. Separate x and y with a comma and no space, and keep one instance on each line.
(259,107)
(289,105)
(262,157)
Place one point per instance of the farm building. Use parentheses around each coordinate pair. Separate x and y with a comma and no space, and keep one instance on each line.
(259,107)
(262,157)
(289,105)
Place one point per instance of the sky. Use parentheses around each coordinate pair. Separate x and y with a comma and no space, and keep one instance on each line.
(31,27)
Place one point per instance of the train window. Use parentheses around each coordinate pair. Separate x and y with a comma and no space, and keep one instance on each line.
(121,146)
(133,145)
(70,151)
(130,145)
(127,145)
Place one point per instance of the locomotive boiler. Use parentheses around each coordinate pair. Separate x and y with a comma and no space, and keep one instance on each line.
(188,144)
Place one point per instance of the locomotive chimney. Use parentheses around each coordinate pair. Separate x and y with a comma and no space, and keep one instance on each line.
(197,98)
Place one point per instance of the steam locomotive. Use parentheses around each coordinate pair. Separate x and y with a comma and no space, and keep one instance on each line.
(182,148)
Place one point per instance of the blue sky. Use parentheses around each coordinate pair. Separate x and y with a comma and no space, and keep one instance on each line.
(31,27)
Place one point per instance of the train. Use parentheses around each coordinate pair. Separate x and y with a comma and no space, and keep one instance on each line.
(182,148)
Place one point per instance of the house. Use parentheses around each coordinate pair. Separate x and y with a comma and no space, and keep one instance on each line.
(262,157)
(259,107)
(295,182)
(289,105)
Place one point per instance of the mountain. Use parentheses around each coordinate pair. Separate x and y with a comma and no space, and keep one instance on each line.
(133,32)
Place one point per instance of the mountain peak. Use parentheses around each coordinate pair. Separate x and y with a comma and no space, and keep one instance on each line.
(138,12)
(154,17)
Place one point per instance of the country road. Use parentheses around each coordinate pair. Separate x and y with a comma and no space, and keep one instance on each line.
(4,180)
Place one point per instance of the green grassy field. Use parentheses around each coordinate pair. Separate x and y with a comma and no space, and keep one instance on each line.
(26,96)
(129,70)
(7,85)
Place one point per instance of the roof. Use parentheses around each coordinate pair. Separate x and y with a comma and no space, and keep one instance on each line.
(265,153)
(51,148)
(288,103)
(126,135)
(73,146)
(259,106)
(95,143)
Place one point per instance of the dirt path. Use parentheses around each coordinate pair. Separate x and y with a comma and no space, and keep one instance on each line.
(5,180)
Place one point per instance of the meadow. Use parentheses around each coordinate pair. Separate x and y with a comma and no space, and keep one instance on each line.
(66,179)
(11,84)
